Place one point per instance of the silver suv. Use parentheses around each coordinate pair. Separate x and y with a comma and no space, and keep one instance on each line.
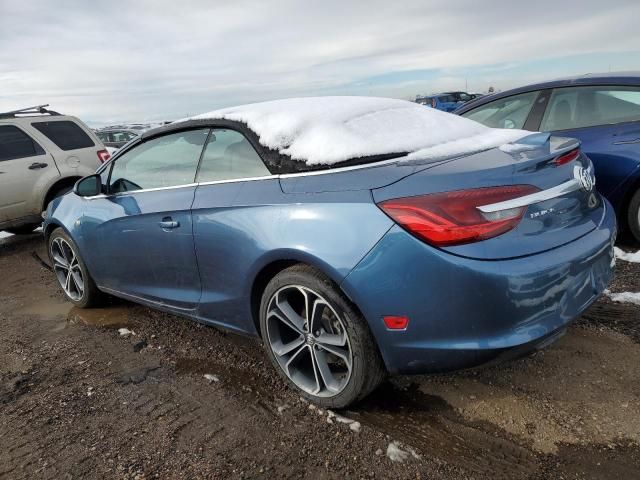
(42,155)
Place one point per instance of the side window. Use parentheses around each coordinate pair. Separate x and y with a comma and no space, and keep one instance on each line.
(160,162)
(509,112)
(14,143)
(104,137)
(580,107)
(67,135)
(229,155)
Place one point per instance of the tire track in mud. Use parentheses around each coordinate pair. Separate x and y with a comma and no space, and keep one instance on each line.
(431,425)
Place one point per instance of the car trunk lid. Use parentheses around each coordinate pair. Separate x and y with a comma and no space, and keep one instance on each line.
(562,206)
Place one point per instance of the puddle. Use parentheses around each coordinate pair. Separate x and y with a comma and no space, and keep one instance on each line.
(113,317)
(429,423)
(46,308)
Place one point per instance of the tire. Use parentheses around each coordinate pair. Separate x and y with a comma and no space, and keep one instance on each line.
(306,365)
(79,288)
(23,230)
(633,216)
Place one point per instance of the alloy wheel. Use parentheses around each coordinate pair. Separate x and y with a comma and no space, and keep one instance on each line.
(67,268)
(309,341)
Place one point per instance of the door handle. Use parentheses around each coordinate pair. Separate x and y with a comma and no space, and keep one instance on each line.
(167,223)
(37,165)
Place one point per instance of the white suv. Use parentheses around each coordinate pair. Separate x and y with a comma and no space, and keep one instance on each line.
(42,155)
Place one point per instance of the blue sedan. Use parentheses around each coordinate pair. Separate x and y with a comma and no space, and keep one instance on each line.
(602,111)
(357,237)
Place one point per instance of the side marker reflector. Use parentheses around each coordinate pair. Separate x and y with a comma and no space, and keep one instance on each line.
(394,322)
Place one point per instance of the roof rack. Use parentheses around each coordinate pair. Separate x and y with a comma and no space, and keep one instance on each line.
(38,109)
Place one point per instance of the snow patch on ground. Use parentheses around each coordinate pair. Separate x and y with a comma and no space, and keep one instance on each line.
(5,234)
(327,130)
(624,297)
(627,256)
(125,332)
(212,378)
(395,453)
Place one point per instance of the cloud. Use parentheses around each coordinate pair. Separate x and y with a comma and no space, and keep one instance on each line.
(121,60)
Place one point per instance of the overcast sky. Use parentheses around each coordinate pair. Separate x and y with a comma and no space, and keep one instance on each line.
(108,61)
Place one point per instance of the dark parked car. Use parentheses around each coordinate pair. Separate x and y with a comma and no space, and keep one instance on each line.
(351,253)
(116,138)
(446,101)
(600,110)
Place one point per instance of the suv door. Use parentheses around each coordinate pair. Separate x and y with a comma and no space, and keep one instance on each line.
(25,170)
(606,119)
(141,228)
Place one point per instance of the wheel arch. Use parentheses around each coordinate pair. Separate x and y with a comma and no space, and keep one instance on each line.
(59,184)
(274,264)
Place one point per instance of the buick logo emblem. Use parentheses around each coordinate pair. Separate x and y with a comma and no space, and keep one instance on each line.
(583,175)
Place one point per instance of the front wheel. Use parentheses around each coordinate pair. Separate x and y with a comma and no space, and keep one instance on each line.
(633,216)
(71,272)
(317,340)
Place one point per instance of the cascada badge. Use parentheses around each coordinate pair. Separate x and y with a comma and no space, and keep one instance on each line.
(583,175)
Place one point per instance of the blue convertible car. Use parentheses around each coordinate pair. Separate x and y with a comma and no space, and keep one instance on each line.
(602,111)
(356,236)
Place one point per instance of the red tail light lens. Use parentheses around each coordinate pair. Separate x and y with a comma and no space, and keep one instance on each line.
(103,155)
(453,218)
(567,157)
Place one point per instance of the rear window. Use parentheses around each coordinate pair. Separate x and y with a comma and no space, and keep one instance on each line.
(14,143)
(65,134)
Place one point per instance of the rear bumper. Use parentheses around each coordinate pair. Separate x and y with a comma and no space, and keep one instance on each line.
(464,312)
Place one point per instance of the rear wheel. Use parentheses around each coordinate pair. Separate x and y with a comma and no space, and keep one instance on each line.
(317,340)
(71,272)
(633,216)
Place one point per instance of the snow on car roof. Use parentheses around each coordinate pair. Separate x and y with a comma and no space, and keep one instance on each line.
(329,130)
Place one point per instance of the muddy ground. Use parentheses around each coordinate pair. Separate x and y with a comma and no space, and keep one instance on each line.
(79,400)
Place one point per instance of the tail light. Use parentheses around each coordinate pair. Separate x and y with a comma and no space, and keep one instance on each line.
(452,218)
(570,156)
(103,155)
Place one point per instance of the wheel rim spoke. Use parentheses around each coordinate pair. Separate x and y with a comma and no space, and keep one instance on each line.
(282,349)
(324,370)
(316,371)
(309,341)
(338,340)
(342,353)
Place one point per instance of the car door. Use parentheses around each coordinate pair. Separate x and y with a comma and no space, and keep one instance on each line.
(515,111)
(141,229)
(606,119)
(230,210)
(25,170)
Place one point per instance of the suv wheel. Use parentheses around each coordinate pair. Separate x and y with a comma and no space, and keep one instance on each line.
(317,340)
(71,272)
(633,216)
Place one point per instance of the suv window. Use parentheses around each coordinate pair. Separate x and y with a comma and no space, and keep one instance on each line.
(580,107)
(165,161)
(104,137)
(509,112)
(14,143)
(121,136)
(67,135)
(229,155)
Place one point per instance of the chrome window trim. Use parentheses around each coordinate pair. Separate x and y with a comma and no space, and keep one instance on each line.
(234,180)
(253,179)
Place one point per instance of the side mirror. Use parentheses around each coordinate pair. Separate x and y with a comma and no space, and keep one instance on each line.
(88,186)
